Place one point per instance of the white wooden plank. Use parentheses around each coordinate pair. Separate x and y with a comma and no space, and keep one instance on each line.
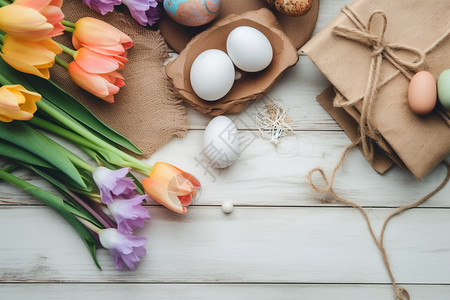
(264,175)
(297,89)
(251,245)
(214,291)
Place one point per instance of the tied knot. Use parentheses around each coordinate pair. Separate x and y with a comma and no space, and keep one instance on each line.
(405,58)
(377,50)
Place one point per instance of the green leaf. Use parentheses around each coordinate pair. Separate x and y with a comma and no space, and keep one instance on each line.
(16,153)
(77,209)
(57,204)
(55,94)
(24,136)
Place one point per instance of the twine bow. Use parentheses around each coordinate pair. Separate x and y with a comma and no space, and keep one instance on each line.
(372,36)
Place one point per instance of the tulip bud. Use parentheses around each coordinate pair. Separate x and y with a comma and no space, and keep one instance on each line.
(17,103)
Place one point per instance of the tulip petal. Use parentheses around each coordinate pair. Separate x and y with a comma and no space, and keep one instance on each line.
(112,50)
(53,14)
(24,67)
(92,83)
(100,85)
(56,3)
(158,191)
(17,103)
(34,4)
(21,115)
(123,38)
(30,98)
(7,100)
(76,44)
(34,53)
(89,32)
(23,21)
(93,62)
(5,118)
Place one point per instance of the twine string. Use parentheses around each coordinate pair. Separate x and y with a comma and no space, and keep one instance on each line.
(372,36)
(400,292)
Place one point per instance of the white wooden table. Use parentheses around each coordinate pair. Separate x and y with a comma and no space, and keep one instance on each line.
(282,241)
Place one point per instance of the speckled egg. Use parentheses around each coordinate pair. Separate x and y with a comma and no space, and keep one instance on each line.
(192,12)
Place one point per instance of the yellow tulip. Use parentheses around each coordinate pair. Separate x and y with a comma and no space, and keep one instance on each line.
(32,19)
(171,187)
(30,56)
(17,103)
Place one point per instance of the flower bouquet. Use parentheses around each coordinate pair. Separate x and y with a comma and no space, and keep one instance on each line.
(101,198)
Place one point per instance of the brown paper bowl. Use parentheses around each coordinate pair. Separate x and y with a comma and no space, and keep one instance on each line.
(251,85)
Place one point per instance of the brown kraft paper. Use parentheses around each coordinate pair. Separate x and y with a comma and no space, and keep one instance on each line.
(417,143)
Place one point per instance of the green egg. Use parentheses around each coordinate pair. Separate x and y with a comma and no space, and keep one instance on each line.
(443,88)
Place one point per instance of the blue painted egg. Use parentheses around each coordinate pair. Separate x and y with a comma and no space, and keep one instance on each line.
(192,12)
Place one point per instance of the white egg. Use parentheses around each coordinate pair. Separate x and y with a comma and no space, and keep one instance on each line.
(212,74)
(220,142)
(249,49)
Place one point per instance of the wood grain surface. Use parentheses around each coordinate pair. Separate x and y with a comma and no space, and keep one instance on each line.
(282,241)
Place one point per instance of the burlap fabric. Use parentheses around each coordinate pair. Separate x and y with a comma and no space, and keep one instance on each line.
(146,110)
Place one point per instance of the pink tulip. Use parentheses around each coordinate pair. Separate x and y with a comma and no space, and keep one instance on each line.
(104,86)
(94,62)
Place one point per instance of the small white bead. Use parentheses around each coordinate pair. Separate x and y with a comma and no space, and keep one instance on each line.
(227,207)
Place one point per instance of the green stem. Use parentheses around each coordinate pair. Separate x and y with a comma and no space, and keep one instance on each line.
(4,3)
(67,50)
(10,168)
(89,225)
(46,197)
(76,127)
(61,62)
(69,29)
(68,24)
(75,138)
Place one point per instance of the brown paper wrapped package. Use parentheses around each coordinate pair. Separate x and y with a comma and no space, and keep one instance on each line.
(417,143)
(251,85)
(146,110)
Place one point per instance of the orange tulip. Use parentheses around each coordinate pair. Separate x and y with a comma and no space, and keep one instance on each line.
(104,86)
(171,187)
(93,62)
(100,37)
(33,57)
(32,19)
(17,103)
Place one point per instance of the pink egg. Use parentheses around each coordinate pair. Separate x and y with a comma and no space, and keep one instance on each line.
(422,93)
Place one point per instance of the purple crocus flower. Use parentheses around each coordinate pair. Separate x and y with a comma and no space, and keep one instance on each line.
(113,184)
(153,15)
(129,213)
(126,249)
(143,11)
(102,6)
